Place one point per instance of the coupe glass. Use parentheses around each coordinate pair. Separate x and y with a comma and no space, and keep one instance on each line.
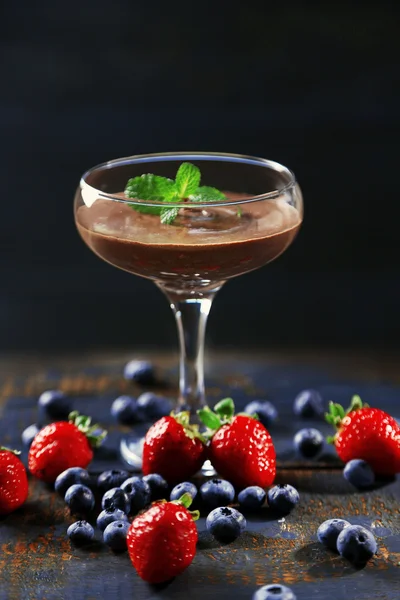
(207,244)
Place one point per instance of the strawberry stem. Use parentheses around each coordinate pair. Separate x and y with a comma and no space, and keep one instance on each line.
(337,413)
(191,430)
(94,433)
(5,449)
(186,501)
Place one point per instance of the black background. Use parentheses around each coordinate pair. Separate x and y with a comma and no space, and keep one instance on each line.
(314,86)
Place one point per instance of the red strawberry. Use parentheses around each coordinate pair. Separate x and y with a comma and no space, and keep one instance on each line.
(366,433)
(62,445)
(173,448)
(241,449)
(162,541)
(13,481)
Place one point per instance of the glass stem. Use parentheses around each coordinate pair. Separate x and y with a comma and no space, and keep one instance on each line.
(191,318)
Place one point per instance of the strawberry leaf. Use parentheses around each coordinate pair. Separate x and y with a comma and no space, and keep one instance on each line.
(225,408)
(5,449)
(185,500)
(94,433)
(209,418)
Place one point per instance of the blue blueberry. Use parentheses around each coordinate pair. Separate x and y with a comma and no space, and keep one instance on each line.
(111,479)
(217,492)
(328,532)
(115,535)
(54,405)
(357,544)
(274,592)
(29,434)
(106,517)
(309,404)
(140,371)
(154,407)
(125,410)
(80,499)
(158,486)
(283,498)
(308,442)
(80,533)
(265,410)
(225,524)
(183,488)
(70,477)
(138,492)
(252,498)
(359,473)
(116,498)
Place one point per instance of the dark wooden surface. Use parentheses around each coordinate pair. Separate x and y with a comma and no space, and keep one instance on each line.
(38,562)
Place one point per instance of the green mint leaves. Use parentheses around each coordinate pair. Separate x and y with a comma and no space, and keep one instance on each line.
(187,180)
(162,189)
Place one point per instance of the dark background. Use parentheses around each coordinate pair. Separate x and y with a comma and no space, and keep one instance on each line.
(314,86)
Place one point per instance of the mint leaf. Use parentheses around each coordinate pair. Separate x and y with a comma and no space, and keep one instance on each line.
(187,180)
(153,188)
(168,215)
(206,194)
(150,187)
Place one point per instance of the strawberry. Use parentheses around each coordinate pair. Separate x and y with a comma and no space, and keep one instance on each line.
(62,445)
(173,448)
(366,433)
(241,449)
(13,481)
(162,541)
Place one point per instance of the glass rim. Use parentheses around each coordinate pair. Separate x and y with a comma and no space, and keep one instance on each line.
(91,193)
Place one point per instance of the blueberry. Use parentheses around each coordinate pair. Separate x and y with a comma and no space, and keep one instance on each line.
(308,404)
(70,477)
(29,434)
(217,492)
(140,371)
(158,486)
(111,479)
(308,442)
(80,533)
(359,473)
(126,411)
(115,535)
(328,532)
(138,492)
(252,497)
(266,411)
(116,498)
(274,592)
(109,516)
(79,498)
(154,407)
(283,498)
(225,524)
(54,405)
(357,544)
(183,488)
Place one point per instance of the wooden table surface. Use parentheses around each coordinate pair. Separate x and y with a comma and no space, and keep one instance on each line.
(37,561)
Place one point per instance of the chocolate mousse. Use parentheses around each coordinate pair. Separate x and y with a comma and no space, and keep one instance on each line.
(203,246)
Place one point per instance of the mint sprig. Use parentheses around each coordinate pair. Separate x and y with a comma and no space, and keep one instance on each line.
(154,188)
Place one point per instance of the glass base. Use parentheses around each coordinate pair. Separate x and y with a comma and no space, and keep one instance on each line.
(131,448)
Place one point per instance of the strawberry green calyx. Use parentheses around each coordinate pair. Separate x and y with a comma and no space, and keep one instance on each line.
(186,501)
(191,430)
(5,449)
(223,414)
(94,433)
(337,414)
